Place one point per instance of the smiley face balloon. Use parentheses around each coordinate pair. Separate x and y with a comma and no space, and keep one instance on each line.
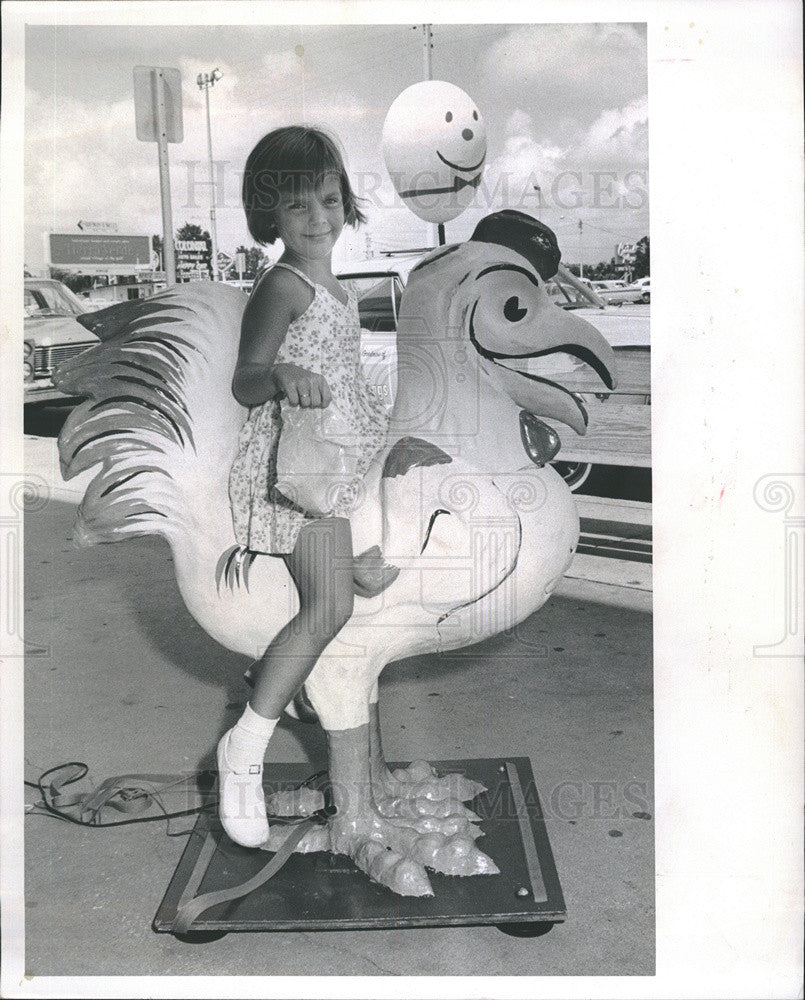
(434,145)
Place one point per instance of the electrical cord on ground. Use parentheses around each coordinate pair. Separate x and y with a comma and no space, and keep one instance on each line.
(120,793)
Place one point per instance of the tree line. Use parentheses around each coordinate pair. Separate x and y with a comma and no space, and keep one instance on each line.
(256,258)
(613,268)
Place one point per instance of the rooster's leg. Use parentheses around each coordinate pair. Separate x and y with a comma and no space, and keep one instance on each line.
(419,783)
(392,849)
(392,842)
(416,795)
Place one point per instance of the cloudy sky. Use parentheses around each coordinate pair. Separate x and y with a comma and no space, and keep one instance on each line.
(565,105)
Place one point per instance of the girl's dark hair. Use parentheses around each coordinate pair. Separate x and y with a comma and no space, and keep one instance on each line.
(279,163)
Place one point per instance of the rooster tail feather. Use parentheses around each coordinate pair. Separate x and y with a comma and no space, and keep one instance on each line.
(158,380)
(234,566)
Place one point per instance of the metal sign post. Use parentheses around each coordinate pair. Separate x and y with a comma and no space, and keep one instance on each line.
(164,180)
(158,114)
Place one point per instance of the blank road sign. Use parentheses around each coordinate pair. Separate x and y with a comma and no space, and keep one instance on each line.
(145,98)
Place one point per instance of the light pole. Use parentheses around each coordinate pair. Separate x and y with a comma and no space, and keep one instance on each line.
(538,189)
(581,249)
(205,81)
(580,225)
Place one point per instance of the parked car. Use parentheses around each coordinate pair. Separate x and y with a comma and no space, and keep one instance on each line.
(380,282)
(379,286)
(51,335)
(615,292)
(575,294)
(629,334)
(644,284)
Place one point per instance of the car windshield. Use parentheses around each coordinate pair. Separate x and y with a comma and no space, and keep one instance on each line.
(371,286)
(51,300)
(374,291)
(379,297)
(566,295)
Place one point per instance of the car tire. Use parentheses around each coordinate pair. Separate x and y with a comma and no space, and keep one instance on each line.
(575,474)
(645,298)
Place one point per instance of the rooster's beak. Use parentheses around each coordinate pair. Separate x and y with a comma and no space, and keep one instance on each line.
(558,331)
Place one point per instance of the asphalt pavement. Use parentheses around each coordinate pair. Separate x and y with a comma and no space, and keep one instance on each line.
(125,681)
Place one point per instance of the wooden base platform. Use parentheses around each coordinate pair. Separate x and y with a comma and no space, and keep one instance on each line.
(327,892)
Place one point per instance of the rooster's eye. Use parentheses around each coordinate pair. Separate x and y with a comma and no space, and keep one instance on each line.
(512,310)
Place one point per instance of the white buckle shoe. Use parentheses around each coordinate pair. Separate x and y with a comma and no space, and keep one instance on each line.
(241,802)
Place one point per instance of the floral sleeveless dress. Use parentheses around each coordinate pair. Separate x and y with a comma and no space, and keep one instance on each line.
(325,339)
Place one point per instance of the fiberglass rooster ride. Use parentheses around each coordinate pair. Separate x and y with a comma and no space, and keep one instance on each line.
(462,500)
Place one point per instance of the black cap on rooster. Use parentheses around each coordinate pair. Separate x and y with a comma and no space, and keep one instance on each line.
(523,234)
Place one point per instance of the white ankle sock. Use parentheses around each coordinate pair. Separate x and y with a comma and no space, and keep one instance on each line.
(249,738)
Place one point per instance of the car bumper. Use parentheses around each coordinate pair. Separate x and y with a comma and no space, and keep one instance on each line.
(44,391)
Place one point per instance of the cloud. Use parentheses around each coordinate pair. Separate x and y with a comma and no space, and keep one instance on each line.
(616,142)
(556,98)
(524,159)
(571,69)
(68,120)
(617,137)
(83,160)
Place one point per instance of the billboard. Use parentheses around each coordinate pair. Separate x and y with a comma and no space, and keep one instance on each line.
(193,257)
(99,250)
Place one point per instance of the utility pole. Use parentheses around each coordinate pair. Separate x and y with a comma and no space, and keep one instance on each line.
(205,81)
(428,42)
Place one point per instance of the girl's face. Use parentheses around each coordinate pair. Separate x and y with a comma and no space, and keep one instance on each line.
(310,219)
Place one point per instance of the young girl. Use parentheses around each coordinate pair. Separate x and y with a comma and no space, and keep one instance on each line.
(300,339)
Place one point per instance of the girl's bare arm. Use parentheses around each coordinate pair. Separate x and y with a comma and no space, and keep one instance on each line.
(278,300)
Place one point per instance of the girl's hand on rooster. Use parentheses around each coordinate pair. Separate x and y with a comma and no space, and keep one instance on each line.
(302,387)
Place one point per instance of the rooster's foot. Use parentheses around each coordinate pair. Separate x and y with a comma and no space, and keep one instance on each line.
(317,838)
(390,851)
(393,838)
(295,802)
(396,853)
(434,792)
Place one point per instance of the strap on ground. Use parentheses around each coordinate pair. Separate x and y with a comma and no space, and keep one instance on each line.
(190,911)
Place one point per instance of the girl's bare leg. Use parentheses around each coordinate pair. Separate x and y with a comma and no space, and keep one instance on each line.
(321,567)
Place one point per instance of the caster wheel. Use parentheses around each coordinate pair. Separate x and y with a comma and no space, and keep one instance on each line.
(200,937)
(529,929)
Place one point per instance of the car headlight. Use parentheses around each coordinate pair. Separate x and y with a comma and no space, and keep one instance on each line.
(28,349)
(28,371)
